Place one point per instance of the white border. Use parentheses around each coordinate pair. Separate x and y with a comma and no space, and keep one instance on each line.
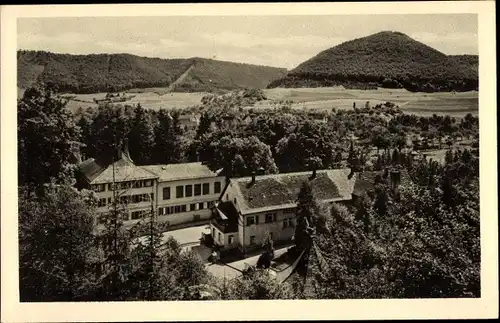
(484,307)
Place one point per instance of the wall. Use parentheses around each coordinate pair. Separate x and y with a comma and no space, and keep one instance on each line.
(224,241)
(259,230)
(188,215)
(145,205)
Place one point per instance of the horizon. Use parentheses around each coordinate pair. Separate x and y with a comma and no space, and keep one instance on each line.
(274,41)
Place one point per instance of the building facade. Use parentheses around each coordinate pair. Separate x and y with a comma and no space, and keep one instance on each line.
(251,207)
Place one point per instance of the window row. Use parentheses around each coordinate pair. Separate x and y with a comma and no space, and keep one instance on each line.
(254,219)
(185,208)
(269,218)
(122,185)
(135,215)
(182,191)
(126,199)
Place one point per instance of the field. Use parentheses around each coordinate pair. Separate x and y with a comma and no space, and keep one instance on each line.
(425,104)
(455,104)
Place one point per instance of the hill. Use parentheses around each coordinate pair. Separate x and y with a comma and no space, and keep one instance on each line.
(207,75)
(468,61)
(386,59)
(117,72)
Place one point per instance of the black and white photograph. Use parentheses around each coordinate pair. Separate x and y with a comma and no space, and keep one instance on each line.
(242,157)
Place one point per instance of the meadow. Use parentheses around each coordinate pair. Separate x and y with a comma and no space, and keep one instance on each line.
(321,99)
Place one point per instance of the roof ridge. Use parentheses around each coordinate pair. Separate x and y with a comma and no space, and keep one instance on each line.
(319,171)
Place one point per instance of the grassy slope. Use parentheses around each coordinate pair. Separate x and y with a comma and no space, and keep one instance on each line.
(117,72)
(209,74)
(390,55)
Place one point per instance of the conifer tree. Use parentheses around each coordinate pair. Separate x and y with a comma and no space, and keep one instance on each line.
(141,137)
(306,214)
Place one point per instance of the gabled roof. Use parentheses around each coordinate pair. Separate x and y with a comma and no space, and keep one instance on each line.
(173,172)
(278,191)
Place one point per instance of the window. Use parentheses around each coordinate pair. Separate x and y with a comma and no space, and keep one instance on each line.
(148,183)
(217,187)
(220,237)
(138,184)
(177,209)
(288,223)
(99,187)
(201,206)
(137,214)
(252,239)
(206,188)
(109,200)
(101,202)
(192,207)
(189,190)
(250,220)
(197,189)
(230,239)
(179,192)
(211,204)
(161,211)
(166,193)
(183,208)
(270,217)
(110,186)
(124,185)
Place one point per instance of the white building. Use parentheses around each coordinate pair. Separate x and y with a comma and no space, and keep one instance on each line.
(178,193)
(251,206)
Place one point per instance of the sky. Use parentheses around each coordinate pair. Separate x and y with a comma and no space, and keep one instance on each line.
(281,41)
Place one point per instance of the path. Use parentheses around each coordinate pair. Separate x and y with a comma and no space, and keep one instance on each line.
(179,79)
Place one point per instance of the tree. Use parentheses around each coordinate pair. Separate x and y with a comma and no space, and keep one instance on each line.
(258,285)
(141,137)
(169,146)
(114,241)
(110,127)
(238,156)
(47,135)
(267,256)
(56,244)
(311,139)
(306,214)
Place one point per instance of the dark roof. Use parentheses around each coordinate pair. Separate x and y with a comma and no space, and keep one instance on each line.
(281,190)
(90,168)
(227,217)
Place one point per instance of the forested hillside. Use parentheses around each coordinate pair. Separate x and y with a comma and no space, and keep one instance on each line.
(118,72)
(386,59)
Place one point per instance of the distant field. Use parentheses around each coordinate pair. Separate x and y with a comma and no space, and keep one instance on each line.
(155,99)
(425,104)
(456,104)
